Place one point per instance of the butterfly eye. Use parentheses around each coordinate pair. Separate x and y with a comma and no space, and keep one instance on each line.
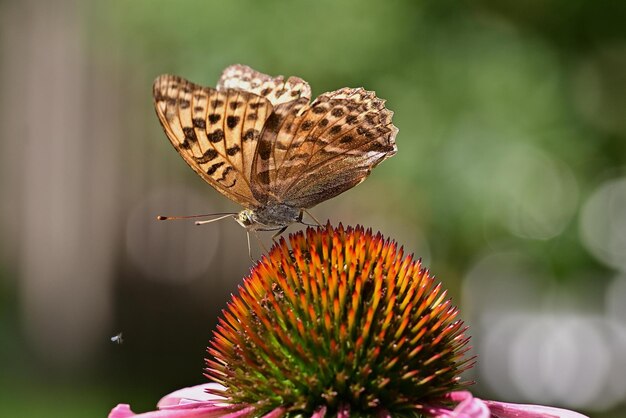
(245,218)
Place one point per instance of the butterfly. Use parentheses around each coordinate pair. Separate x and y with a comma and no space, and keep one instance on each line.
(260,142)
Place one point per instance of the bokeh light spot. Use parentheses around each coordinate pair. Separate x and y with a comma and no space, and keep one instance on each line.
(603,223)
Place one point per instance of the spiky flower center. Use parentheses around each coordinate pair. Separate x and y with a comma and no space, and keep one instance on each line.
(338,319)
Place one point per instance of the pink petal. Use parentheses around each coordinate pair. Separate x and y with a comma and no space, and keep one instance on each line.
(319,413)
(467,407)
(344,411)
(192,402)
(121,411)
(471,408)
(514,410)
(276,413)
(201,411)
(191,394)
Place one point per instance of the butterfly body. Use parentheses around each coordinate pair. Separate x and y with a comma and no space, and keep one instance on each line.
(269,218)
(259,140)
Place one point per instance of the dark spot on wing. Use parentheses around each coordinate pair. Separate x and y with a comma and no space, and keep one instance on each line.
(319,109)
(350,119)
(185,145)
(252,116)
(217,103)
(232,121)
(235,105)
(347,138)
(214,117)
(266,91)
(256,105)
(199,123)
(184,104)
(225,173)
(323,122)
(377,146)
(263,177)
(306,125)
(216,136)
(370,118)
(233,150)
(250,134)
(214,168)
(264,149)
(209,155)
(335,130)
(337,112)
(271,124)
(190,133)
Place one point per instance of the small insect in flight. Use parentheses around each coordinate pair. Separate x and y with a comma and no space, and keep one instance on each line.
(117,339)
(260,142)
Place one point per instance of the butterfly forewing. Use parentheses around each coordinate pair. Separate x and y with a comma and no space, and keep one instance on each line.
(214,131)
(324,149)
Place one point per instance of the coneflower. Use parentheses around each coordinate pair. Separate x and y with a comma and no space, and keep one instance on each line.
(338,323)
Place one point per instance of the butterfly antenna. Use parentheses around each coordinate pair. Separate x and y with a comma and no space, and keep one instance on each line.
(173,218)
(216,219)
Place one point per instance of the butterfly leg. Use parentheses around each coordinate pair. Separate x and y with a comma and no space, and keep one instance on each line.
(249,249)
(310,216)
(256,235)
(280,231)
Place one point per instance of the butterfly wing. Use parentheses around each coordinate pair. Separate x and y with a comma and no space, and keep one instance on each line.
(308,154)
(214,130)
(275,89)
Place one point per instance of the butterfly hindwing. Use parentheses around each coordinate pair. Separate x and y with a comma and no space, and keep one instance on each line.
(275,89)
(324,149)
(213,131)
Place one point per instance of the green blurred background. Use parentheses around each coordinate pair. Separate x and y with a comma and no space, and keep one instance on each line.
(510,182)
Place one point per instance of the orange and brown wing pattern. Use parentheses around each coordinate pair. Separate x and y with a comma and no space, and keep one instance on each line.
(275,89)
(310,153)
(215,131)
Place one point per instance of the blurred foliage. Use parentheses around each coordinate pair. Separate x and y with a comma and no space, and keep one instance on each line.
(473,84)
(510,114)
